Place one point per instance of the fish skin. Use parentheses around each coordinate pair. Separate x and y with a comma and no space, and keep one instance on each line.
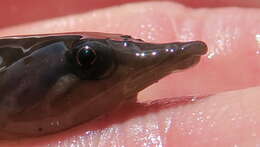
(42,83)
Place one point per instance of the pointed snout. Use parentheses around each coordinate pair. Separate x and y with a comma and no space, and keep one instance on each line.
(152,62)
(150,54)
(196,48)
(161,57)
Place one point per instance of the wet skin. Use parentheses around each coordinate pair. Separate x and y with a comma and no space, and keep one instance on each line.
(48,82)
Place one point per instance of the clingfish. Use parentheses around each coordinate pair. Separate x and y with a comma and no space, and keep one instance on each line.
(53,82)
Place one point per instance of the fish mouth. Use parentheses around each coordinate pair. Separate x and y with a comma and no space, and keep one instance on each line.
(172,58)
(192,52)
(187,55)
(188,62)
(175,56)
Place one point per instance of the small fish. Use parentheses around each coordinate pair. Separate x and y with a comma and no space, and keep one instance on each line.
(53,82)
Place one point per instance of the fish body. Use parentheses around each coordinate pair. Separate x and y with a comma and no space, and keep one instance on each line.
(52,82)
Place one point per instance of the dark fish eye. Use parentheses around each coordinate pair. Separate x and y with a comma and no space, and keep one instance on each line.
(91,59)
(86,56)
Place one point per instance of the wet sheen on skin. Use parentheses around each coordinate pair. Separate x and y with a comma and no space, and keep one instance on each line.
(48,82)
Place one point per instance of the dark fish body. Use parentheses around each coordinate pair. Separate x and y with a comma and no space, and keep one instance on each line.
(53,82)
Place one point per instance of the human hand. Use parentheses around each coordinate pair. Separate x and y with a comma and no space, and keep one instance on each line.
(232,63)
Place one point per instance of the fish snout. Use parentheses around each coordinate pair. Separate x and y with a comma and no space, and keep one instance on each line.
(196,48)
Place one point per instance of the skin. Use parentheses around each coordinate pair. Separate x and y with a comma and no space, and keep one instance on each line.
(229,118)
(48,82)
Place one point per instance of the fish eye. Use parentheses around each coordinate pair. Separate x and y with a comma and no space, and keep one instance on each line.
(92,59)
(86,56)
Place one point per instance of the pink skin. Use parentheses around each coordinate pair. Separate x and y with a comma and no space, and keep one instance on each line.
(229,118)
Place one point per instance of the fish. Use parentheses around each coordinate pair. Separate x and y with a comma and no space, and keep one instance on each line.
(53,82)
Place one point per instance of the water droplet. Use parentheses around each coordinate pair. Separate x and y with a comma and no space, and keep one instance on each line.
(211,55)
(125,44)
(154,53)
(194,99)
(257,38)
